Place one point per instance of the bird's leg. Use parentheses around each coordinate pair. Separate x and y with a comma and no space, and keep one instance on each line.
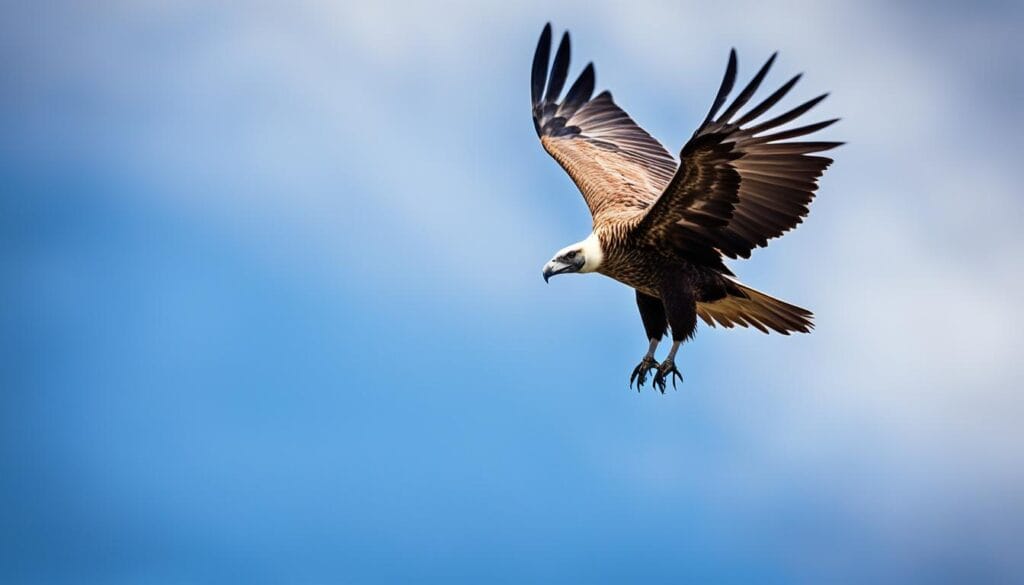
(652,313)
(681,309)
(647,364)
(668,368)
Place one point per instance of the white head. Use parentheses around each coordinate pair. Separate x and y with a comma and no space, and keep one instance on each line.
(585,256)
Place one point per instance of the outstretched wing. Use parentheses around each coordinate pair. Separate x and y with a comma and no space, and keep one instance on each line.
(615,163)
(736,186)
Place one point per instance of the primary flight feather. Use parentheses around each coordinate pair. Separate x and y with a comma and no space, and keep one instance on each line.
(663,227)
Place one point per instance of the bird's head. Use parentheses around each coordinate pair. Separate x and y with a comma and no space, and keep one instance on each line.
(585,256)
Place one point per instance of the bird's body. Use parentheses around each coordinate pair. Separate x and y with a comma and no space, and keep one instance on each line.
(662,227)
(643,267)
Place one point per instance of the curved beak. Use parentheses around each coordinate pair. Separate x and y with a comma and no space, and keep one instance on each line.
(554,267)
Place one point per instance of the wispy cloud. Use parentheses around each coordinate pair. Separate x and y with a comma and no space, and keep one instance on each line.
(376,145)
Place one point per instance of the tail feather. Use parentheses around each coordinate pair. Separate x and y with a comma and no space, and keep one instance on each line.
(747,307)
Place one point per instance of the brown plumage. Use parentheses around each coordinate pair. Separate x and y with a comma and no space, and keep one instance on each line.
(664,228)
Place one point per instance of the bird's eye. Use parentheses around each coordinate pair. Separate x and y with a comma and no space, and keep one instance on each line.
(571,255)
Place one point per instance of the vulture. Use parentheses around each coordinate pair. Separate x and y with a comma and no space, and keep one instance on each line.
(664,227)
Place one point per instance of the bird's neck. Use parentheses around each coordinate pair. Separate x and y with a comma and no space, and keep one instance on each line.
(593,252)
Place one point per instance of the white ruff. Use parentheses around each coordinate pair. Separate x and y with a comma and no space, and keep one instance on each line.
(592,253)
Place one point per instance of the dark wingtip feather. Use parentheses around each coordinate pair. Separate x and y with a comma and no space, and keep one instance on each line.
(769,101)
(559,70)
(788,116)
(579,93)
(793,133)
(539,72)
(728,80)
(748,91)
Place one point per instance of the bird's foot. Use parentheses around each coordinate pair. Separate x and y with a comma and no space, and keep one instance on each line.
(641,370)
(667,369)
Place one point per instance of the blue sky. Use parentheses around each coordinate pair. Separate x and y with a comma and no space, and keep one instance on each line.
(273,309)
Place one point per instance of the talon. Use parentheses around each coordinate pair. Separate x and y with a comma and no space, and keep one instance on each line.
(666,370)
(640,372)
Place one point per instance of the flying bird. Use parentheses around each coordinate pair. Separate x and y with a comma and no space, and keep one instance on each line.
(664,227)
